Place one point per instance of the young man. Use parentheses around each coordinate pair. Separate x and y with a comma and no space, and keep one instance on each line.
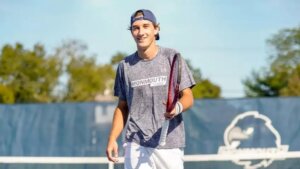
(142,86)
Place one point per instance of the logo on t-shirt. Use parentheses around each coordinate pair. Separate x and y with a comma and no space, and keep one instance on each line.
(152,81)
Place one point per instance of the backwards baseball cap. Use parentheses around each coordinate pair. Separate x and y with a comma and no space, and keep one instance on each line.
(147,15)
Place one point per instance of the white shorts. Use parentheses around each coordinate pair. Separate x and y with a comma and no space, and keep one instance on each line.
(139,157)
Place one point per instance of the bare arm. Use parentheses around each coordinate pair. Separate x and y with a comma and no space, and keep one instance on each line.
(118,123)
(187,101)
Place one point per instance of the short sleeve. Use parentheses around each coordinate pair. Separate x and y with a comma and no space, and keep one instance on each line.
(187,79)
(119,87)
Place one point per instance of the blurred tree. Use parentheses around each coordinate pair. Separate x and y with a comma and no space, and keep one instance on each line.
(6,95)
(85,79)
(266,84)
(285,47)
(68,75)
(204,88)
(195,71)
(293,84)
(115,59)
(28,74)
(281,78)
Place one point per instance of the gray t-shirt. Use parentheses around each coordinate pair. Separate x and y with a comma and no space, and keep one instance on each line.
(143,84)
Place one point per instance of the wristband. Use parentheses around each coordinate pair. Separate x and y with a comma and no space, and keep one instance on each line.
(178,108)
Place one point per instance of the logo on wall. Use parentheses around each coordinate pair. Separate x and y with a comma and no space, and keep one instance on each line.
(252,136)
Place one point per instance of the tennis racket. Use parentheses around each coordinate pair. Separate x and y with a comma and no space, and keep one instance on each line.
(173,94)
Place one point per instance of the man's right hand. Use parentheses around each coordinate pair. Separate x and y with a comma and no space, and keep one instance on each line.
(112,151)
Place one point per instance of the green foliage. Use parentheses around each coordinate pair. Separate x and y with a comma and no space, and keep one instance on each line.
(195,71)
(286,48)
(281,78)
(266,85)
(68,75)
(29,74)
(204,88)
(293,84)
(117,58)
(6,95)
(87,80)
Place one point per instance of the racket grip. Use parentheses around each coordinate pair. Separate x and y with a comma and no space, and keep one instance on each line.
(164,133)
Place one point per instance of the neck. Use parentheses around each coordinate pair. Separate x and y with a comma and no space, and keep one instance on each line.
(148,53)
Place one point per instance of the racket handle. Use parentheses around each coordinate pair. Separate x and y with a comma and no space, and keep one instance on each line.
(164,133)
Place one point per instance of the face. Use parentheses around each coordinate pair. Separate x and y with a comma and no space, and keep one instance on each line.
(143,32)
